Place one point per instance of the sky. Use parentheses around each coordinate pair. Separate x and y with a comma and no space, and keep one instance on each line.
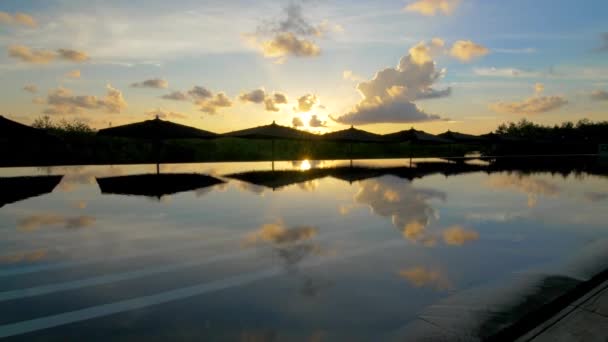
(317,65)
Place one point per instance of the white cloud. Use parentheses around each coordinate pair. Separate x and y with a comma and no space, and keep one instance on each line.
(255,96)
(39,56)
(389,96)
(351,76)
(466,50)
(533,105)
(432,7)
(61,101)
(151,83)
(505,72)
(599,95)
(306,102)
(73,74)
(31,88)
(297,122)
(316,122)
(176,96)
(212,104)
(18,18)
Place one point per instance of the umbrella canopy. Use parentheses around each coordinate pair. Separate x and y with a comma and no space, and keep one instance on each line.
(155,185)
(10,129)
(15,189)
(272,131)
(460,137)
(157,129)
(416,136)
(353,135)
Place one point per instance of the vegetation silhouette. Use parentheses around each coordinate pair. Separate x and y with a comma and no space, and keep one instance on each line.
(74,142)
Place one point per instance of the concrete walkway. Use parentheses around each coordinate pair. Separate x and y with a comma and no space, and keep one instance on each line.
(584,320)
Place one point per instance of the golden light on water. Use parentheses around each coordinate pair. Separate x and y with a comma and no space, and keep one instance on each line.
(305,165)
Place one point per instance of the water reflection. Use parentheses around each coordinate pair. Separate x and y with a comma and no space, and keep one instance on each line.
(35,222)
(155,185)
(348,257)
(15,189)
(528,185)
(425,277)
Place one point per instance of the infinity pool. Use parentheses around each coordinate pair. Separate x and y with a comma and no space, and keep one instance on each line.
(304,250)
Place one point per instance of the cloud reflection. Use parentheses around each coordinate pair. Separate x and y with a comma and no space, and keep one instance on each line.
(35,222)
(533,187)
(425,277)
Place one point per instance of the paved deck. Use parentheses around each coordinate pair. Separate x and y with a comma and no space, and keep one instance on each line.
(584,320)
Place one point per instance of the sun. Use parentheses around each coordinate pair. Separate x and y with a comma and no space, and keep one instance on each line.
(305,165)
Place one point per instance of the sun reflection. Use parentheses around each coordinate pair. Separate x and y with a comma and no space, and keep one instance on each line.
(305,165)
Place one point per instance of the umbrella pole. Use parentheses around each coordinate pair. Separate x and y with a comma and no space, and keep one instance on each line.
(272,154)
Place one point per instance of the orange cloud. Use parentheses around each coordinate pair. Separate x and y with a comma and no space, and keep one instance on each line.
(432,7)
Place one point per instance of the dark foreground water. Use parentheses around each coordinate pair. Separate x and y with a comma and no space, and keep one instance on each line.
(314,251)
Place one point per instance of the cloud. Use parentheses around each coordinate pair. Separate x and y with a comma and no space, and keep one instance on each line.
(152,83)
(306,102)
(349,75)
(25,54)
(72,55)
(458,235)
(288,37)
(202,97)
(539,88)
(287,44)
(599,95)
(294,22)
(393,111)
(505,72)
(35,222)
(422,53)
(389,96)
(31,88)
(604,44)
(271,101)
(424,277)
(200,93)
(18,19)
(38,56)
(61,102)
(466,50)
(176,96)
(255,96)
(297,122)
(432,7)
(163,114)
(73,74)
(532,105)
(316,122)
(211,105)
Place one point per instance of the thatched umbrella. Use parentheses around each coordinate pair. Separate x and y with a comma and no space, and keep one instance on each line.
(461,137)
(352,135)
(21,143)
(413,135)
(15,189)
(155,185)
(271,132)
(157,130)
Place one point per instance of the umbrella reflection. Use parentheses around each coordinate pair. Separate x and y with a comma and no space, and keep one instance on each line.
(155,185)
(15,189)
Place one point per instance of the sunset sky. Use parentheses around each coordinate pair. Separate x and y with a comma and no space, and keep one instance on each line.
(319,65)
